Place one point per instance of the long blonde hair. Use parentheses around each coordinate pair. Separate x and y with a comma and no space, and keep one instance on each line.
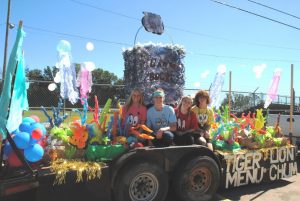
(129,101)
(182,99)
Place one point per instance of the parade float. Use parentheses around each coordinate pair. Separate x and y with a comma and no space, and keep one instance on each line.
(248,151)
(99,149)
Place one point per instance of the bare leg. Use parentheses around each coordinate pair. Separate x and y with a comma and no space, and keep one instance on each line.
(210,146)
(200,141)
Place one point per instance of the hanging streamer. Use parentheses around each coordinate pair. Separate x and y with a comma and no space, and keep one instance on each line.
(272,92)
(216,88)
(66,72)
(84,80)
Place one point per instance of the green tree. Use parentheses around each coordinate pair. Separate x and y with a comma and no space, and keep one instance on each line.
(49,73)
(35,74)
(105,85)
(239,102)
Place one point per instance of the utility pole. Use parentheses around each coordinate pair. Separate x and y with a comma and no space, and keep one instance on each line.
(6,40)
(254,97)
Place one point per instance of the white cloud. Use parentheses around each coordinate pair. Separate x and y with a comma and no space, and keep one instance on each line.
(197,84)
(258,70)
(205,74)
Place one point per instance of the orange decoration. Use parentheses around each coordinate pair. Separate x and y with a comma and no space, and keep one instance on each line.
(80,135)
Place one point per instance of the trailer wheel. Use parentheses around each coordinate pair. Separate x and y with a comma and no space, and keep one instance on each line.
(142,181)
(197,180)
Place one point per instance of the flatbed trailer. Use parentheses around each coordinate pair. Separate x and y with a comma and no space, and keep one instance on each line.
(192,172)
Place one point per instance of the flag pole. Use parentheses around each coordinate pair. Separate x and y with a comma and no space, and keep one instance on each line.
(291,104)
(20,24)
(229,94)
(6,42)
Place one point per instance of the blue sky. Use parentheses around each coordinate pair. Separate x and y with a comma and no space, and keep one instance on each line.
(212,35)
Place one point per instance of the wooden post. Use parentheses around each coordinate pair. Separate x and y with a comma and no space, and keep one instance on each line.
(229,94)
(20,24)
(291,105)
(6,43)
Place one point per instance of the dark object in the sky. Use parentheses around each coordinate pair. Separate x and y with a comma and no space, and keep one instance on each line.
(153,23)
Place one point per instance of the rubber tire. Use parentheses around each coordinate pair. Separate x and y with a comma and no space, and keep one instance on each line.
(128,176)
(199,192)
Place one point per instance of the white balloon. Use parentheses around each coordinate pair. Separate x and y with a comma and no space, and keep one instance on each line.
(52,87)
(57,77)
(90,46)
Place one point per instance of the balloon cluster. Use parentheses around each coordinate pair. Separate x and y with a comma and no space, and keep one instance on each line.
(248,132)
(27,137)
(152,66)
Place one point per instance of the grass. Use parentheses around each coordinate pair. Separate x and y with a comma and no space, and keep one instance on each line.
(71,115)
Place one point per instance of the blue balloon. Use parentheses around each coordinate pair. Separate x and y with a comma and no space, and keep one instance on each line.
(33,141)
(28,120)
(22,140)
(34,153)
(39,126)
(15,131)
(25,127)
(131,139)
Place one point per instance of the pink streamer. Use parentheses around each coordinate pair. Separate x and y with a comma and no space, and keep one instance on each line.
(84,80)
(272,92)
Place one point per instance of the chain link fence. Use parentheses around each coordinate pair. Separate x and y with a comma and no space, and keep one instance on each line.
(39,95)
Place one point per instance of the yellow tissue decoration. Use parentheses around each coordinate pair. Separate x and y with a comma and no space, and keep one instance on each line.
(61,166)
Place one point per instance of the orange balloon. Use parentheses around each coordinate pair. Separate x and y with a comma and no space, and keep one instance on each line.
(37,134)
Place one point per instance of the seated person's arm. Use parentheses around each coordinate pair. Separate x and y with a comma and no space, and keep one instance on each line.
(172,127)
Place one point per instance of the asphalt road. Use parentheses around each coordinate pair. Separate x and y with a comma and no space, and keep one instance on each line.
(281,190)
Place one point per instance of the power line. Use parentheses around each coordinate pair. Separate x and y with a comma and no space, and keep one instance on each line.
(274,9)
(126,44)
(180,29)
(239,58)
(104,10)
(77,36)
(258,15)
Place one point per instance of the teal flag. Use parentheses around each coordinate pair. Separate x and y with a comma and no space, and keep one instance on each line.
(19,101)
(14,59)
